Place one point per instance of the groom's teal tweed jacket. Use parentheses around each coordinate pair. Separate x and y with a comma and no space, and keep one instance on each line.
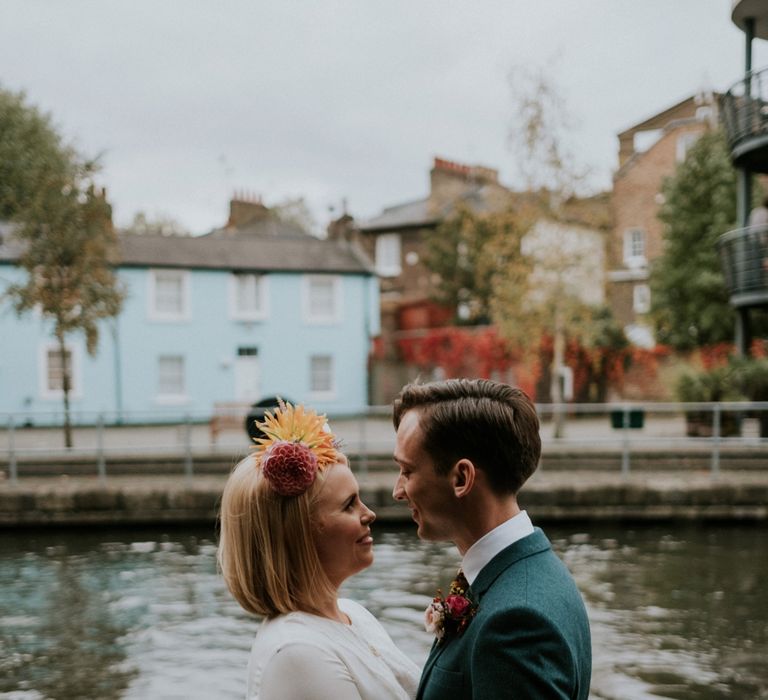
(529,639)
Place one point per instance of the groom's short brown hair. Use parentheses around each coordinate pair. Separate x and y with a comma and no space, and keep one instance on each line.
(493,425)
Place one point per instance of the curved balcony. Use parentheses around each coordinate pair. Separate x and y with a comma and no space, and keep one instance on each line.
(756,10)
(744,257)
(744,113)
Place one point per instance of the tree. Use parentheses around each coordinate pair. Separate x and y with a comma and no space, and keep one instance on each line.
(598,357)
(458,251)
(296,211)
(65,226)
(159,225)
(31,152)
(539,293)
(539,131)
(689,297)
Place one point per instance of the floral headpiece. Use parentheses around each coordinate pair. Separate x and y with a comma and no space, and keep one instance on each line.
(298,443)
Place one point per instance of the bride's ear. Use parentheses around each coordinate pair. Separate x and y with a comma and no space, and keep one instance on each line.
(463,478)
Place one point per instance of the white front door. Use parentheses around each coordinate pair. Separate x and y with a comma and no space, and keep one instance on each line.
(247,375)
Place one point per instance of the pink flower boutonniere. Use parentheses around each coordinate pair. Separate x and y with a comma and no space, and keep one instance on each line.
(449,616)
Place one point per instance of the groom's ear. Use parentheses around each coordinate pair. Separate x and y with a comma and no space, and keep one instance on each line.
(463,478)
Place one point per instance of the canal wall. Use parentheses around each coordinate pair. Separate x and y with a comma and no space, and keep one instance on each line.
(574,495)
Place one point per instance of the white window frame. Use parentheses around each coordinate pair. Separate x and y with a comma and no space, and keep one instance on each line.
(684,143)
(240,314)
(388,255)
(311,316)
(641,298)
(171,398)
(157,315)
(330,392)
(76,387)
(632,258)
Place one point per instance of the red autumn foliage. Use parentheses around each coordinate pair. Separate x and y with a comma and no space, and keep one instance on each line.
(759,349)
(481,352)
(713,356)
(460,352)
(595,370)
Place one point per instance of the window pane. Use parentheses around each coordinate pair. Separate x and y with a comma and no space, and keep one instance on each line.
(248,294)
(56,369)
(634,245)
(170,375)
(638,243)
(388,254)
(321,373)
(683,145)
(322,299)
(641,298)
(169,293)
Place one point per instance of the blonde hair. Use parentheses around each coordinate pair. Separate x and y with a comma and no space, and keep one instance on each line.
(266,552)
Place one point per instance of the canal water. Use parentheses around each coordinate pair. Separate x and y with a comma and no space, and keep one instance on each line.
(676,611)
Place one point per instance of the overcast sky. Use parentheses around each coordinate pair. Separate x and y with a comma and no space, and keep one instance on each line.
(188,101)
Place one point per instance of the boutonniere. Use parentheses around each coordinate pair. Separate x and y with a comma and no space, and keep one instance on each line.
(450,616)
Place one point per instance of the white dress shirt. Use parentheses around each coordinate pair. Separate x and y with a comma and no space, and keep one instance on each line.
(491,543)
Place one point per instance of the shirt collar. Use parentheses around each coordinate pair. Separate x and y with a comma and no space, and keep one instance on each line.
(491,543)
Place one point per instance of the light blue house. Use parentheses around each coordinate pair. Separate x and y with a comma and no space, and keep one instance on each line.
(254,309)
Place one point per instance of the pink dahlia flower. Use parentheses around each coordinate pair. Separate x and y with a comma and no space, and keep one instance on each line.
(290,467)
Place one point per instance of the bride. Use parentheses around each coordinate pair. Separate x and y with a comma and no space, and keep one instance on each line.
(293,529)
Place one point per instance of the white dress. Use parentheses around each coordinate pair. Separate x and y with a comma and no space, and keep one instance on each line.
(300,656)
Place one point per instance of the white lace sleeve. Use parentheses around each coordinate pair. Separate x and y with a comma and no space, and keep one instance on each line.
(305,672)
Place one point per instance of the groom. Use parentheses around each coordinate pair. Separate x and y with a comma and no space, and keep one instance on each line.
(464,448)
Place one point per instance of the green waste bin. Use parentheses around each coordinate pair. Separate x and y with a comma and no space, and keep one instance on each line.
(636,418)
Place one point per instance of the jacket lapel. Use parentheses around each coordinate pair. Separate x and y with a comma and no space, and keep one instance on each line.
(534,543)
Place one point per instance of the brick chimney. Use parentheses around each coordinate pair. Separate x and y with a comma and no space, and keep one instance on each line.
(244,208)
(449,180)
(342,229)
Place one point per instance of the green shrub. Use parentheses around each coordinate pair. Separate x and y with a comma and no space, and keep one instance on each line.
(719,384)
(751,376)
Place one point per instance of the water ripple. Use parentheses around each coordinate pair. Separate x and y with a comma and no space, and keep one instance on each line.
(674,614)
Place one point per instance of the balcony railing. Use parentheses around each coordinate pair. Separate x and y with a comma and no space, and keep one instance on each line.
(744,257)
(744,113)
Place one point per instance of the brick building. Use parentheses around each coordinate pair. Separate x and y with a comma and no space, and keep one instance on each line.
(395,241)
(648,152)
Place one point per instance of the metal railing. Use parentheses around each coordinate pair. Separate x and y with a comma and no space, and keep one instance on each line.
(744,111)
(186,447)
(675,428)
(744,258)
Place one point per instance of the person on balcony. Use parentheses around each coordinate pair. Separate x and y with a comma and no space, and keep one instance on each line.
(758,222)
(759,215)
